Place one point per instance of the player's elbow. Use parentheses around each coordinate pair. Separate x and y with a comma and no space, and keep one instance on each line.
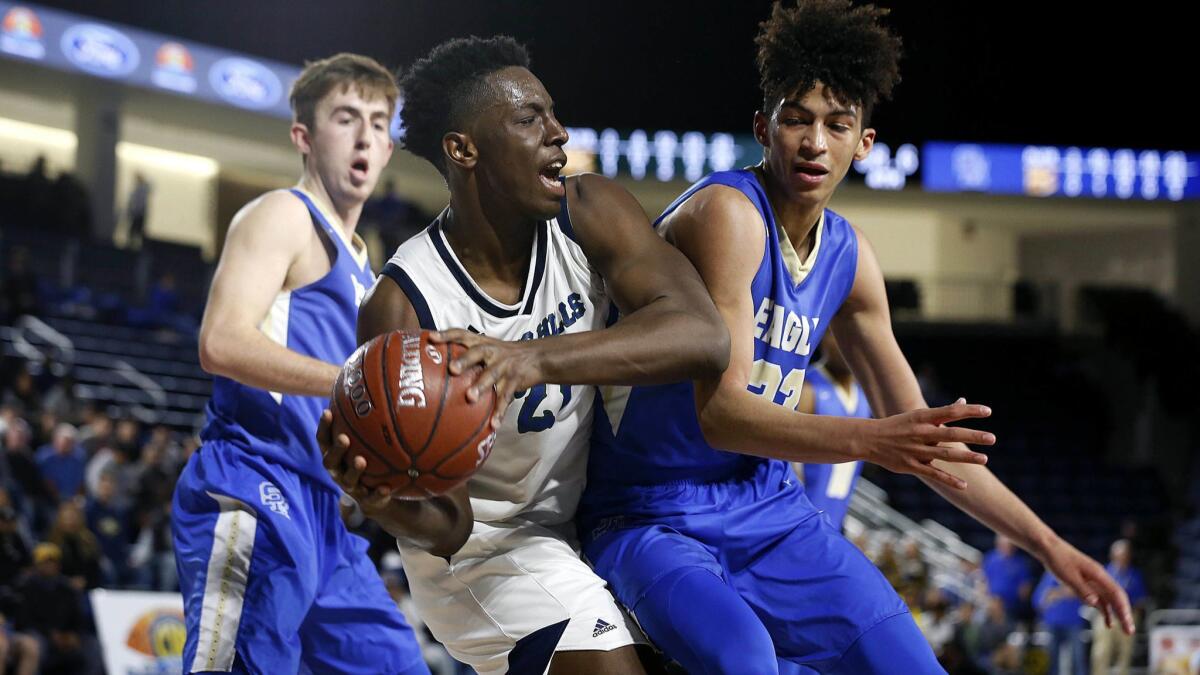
(715,350)
(714,420)
(214,352)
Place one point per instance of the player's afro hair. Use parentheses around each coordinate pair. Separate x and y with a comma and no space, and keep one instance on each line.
(844,47)
(440,91)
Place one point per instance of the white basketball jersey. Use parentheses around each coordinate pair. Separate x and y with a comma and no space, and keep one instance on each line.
(537,467)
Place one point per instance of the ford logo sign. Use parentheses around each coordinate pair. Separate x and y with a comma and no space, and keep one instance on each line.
(245,83)
(99,50)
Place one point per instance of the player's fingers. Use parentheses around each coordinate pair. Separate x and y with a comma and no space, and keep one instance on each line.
(952,454)
(486,380)
(1113,599)
(354,470)
(943,477)
(479,355)
(377,499)
(962,435)
(325,428)
(504,398)
(462,337)
(960,410)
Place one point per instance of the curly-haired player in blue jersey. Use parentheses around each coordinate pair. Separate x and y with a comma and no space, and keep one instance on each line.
(271,579)
(722,558)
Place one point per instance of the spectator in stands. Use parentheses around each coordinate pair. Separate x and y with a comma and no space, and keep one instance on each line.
(79,548)
(1058,609)
(913,570)
(20,287)
(51,608)
(153,554)
(992,627)
(389,215)
(109,519)
(70,212)
(62,463)
(1009,576)
(135,211)
(14,545)
(23,396)
(36,191)
(31,493)
(96,430)
(128,437)
(1107,642)
(62,399)
(938,622)
(22,650)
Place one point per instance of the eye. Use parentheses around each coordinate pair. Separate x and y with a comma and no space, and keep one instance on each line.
(792,121)
(526,121)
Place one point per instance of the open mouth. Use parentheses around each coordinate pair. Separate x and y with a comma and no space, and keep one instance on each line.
(549,176)
(359,168)
(811,172)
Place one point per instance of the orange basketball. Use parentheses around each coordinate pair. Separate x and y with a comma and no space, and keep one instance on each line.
(409,417)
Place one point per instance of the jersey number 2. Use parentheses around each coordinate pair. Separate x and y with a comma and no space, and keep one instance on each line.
(767,380)
(529,420)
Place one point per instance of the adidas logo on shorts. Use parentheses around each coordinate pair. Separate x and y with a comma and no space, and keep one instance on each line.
(602,627)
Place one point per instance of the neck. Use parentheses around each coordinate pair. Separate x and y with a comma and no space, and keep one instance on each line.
(797,218)
(347,212)
(492,242)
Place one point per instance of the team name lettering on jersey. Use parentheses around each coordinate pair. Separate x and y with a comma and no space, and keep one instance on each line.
(784,329)
(569,311)
(412,376)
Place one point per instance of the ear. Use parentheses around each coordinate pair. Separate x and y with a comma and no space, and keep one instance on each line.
(762,125)
(865,143)
(301,138)
(460,149)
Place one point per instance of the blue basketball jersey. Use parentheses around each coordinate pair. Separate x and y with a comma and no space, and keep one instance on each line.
(829,486)
(317,320)
(651,435)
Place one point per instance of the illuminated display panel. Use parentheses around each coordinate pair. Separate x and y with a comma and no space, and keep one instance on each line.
(1050,171)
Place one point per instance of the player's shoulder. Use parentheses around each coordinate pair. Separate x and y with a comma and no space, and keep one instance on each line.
(720,210)
(590,194)
(279,211)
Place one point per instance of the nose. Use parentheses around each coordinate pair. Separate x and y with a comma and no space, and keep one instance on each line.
(815,141)
(362,140)
(556,133)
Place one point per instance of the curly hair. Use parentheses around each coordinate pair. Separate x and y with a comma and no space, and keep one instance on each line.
(845,48)
(442,90)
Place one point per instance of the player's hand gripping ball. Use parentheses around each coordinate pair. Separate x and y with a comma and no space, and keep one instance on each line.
(409,417)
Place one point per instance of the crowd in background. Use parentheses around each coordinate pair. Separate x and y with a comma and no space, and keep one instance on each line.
(1010,618)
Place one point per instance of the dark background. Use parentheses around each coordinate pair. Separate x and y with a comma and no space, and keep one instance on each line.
(1047,73)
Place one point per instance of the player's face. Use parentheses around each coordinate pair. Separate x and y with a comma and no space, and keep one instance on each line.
(349,143)
(809,142)
(520,145)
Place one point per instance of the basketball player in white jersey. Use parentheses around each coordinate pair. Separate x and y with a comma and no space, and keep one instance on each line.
(541,262)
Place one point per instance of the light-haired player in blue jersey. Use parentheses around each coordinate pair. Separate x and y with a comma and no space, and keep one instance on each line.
(720,554)
(272,581)
(830,389)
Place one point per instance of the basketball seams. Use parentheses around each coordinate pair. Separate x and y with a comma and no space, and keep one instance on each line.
(470,439)
(337,401)
(387,395)
(441,404)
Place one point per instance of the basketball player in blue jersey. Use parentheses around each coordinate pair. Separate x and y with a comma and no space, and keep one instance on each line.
(534,267)
(692,512)
(272,582)
(830,389)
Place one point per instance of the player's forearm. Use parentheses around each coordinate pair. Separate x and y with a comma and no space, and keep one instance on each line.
(988,500)
(255,360)
(661,342)
(439,525)
(734,419)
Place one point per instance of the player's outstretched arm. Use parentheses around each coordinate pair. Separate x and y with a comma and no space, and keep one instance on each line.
(668,331)
(265,239)
(864,332)
(721,232)
(439,525)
